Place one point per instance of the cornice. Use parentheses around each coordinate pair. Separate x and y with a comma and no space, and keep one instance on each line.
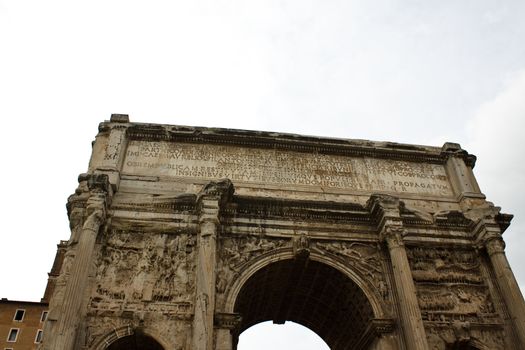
(291,142)
(295,209)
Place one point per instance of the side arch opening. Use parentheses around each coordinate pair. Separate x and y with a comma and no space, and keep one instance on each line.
(310,293)
(135,341)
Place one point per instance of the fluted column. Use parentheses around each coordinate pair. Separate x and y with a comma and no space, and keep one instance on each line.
(507,285)
(411,321)
(386,209)
(68,311)
(65,331)
(203,320)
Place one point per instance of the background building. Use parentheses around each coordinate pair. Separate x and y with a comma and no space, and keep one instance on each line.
(22,322)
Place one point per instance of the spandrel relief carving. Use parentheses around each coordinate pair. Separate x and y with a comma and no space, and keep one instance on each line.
(136,267)
(365,258)
(236,252)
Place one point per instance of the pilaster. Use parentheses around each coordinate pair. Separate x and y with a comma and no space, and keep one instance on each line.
(109,149)
(459,166)
(391,231)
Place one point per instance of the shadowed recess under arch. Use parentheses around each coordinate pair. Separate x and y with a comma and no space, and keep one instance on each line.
(310,293)
(136,341)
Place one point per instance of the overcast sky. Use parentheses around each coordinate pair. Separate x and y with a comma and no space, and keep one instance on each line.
(409,71)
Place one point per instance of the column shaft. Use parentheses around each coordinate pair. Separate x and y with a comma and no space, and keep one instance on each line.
(411,321)
(205,276)
(224,339)
(64,335)
(508,286)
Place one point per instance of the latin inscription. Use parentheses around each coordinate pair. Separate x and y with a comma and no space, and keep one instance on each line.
(279,167)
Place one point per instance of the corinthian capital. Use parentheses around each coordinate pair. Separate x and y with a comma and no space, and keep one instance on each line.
(222,189)
(495,245)
(393,236)
(96,209)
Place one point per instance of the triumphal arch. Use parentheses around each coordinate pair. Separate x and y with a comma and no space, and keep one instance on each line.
(183,237)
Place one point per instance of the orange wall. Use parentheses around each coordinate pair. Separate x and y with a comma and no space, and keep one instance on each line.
(27,328)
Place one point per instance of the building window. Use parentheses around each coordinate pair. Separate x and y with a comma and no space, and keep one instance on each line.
(19,315)
(44,316)
(38,337)
(13,334)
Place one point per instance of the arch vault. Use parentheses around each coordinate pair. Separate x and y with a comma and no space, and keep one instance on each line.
(310,293)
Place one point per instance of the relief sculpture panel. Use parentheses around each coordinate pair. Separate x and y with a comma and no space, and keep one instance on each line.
(450,286)
(135,267)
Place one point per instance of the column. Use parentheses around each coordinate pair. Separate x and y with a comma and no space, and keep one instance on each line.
(391,231)
(209,203)
(224,324)
(411,321)
(66,321)
(507,285)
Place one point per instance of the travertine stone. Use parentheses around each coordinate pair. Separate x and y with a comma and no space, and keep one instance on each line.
(372,245)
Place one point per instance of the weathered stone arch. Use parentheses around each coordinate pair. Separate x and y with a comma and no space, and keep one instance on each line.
(286,254)
(478,345)
(116,334)
(369,322)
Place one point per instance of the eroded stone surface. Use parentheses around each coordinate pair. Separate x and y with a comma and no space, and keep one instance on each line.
(182,237)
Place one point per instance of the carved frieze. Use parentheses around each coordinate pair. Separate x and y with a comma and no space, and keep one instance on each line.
(134,267)
(439,265)
(456,300)
(450,285)
(464,335)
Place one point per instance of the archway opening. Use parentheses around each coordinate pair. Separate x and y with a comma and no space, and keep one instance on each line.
(461,345)
(136,341)
(309,293)
(290,336)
